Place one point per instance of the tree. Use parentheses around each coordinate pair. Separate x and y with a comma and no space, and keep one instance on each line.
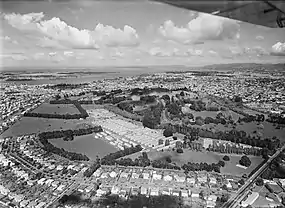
(259,182)
(226,158)
(245,161)
(241,181)
(144,155)
(221,163)
(201,194)
(168,132)
(237,99)
(179,150)
(168,159)
(224,198)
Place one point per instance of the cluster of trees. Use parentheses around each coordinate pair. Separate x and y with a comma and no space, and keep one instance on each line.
(174,109)
(164,164)
(111,158)
(236,150)
(233,136)
(57,116)
(109,98)
(212,108)
(276,168)
(251,118)
(245,161)
(96,165)
(141,161)
(126,106)
(275,118)
(65,86)
(209,120)
(99,93)
(144,91)
(85,102)
(123,113)
(69,133)
(152,116)
(19,79)
(203,166)
(148,98)
(141,201)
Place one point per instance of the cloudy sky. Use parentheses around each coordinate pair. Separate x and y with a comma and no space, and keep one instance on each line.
(95,33)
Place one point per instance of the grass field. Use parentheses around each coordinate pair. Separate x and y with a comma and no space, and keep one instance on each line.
(208,157)
(56,109)
(87,145)
(232,169)
(29,125)
(267,132)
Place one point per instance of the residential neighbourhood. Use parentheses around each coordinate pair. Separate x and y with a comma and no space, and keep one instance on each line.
(180,135)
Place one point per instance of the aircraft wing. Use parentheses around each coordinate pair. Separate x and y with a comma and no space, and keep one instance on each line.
(265,13)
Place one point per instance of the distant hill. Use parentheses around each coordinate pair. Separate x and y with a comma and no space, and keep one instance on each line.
(246,66)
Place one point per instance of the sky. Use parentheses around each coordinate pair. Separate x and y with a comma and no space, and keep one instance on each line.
(125,33)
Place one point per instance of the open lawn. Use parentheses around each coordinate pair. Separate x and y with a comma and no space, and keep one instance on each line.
(185,157)
(267,132)
(252,128)
(87,145)
(56,109)
(208,157)
(29,125)
(232,169)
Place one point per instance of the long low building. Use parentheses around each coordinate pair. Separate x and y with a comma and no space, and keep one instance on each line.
(250,199)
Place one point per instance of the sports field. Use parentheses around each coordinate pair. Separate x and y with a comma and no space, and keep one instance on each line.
(30,125)
(56,109)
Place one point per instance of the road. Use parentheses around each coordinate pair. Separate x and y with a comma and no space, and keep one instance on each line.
(235,200)
(68,190)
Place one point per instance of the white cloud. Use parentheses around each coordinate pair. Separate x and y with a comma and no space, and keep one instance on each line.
(257,50)
(204,27)
(157,51)
(249,51)
(117,54)
(16,57)
(68,53)
(278,49)
(60,33)
(46,42)
(259,37)
(212,52)
(194,52)
(9,39)
(52,53)
(38,56)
